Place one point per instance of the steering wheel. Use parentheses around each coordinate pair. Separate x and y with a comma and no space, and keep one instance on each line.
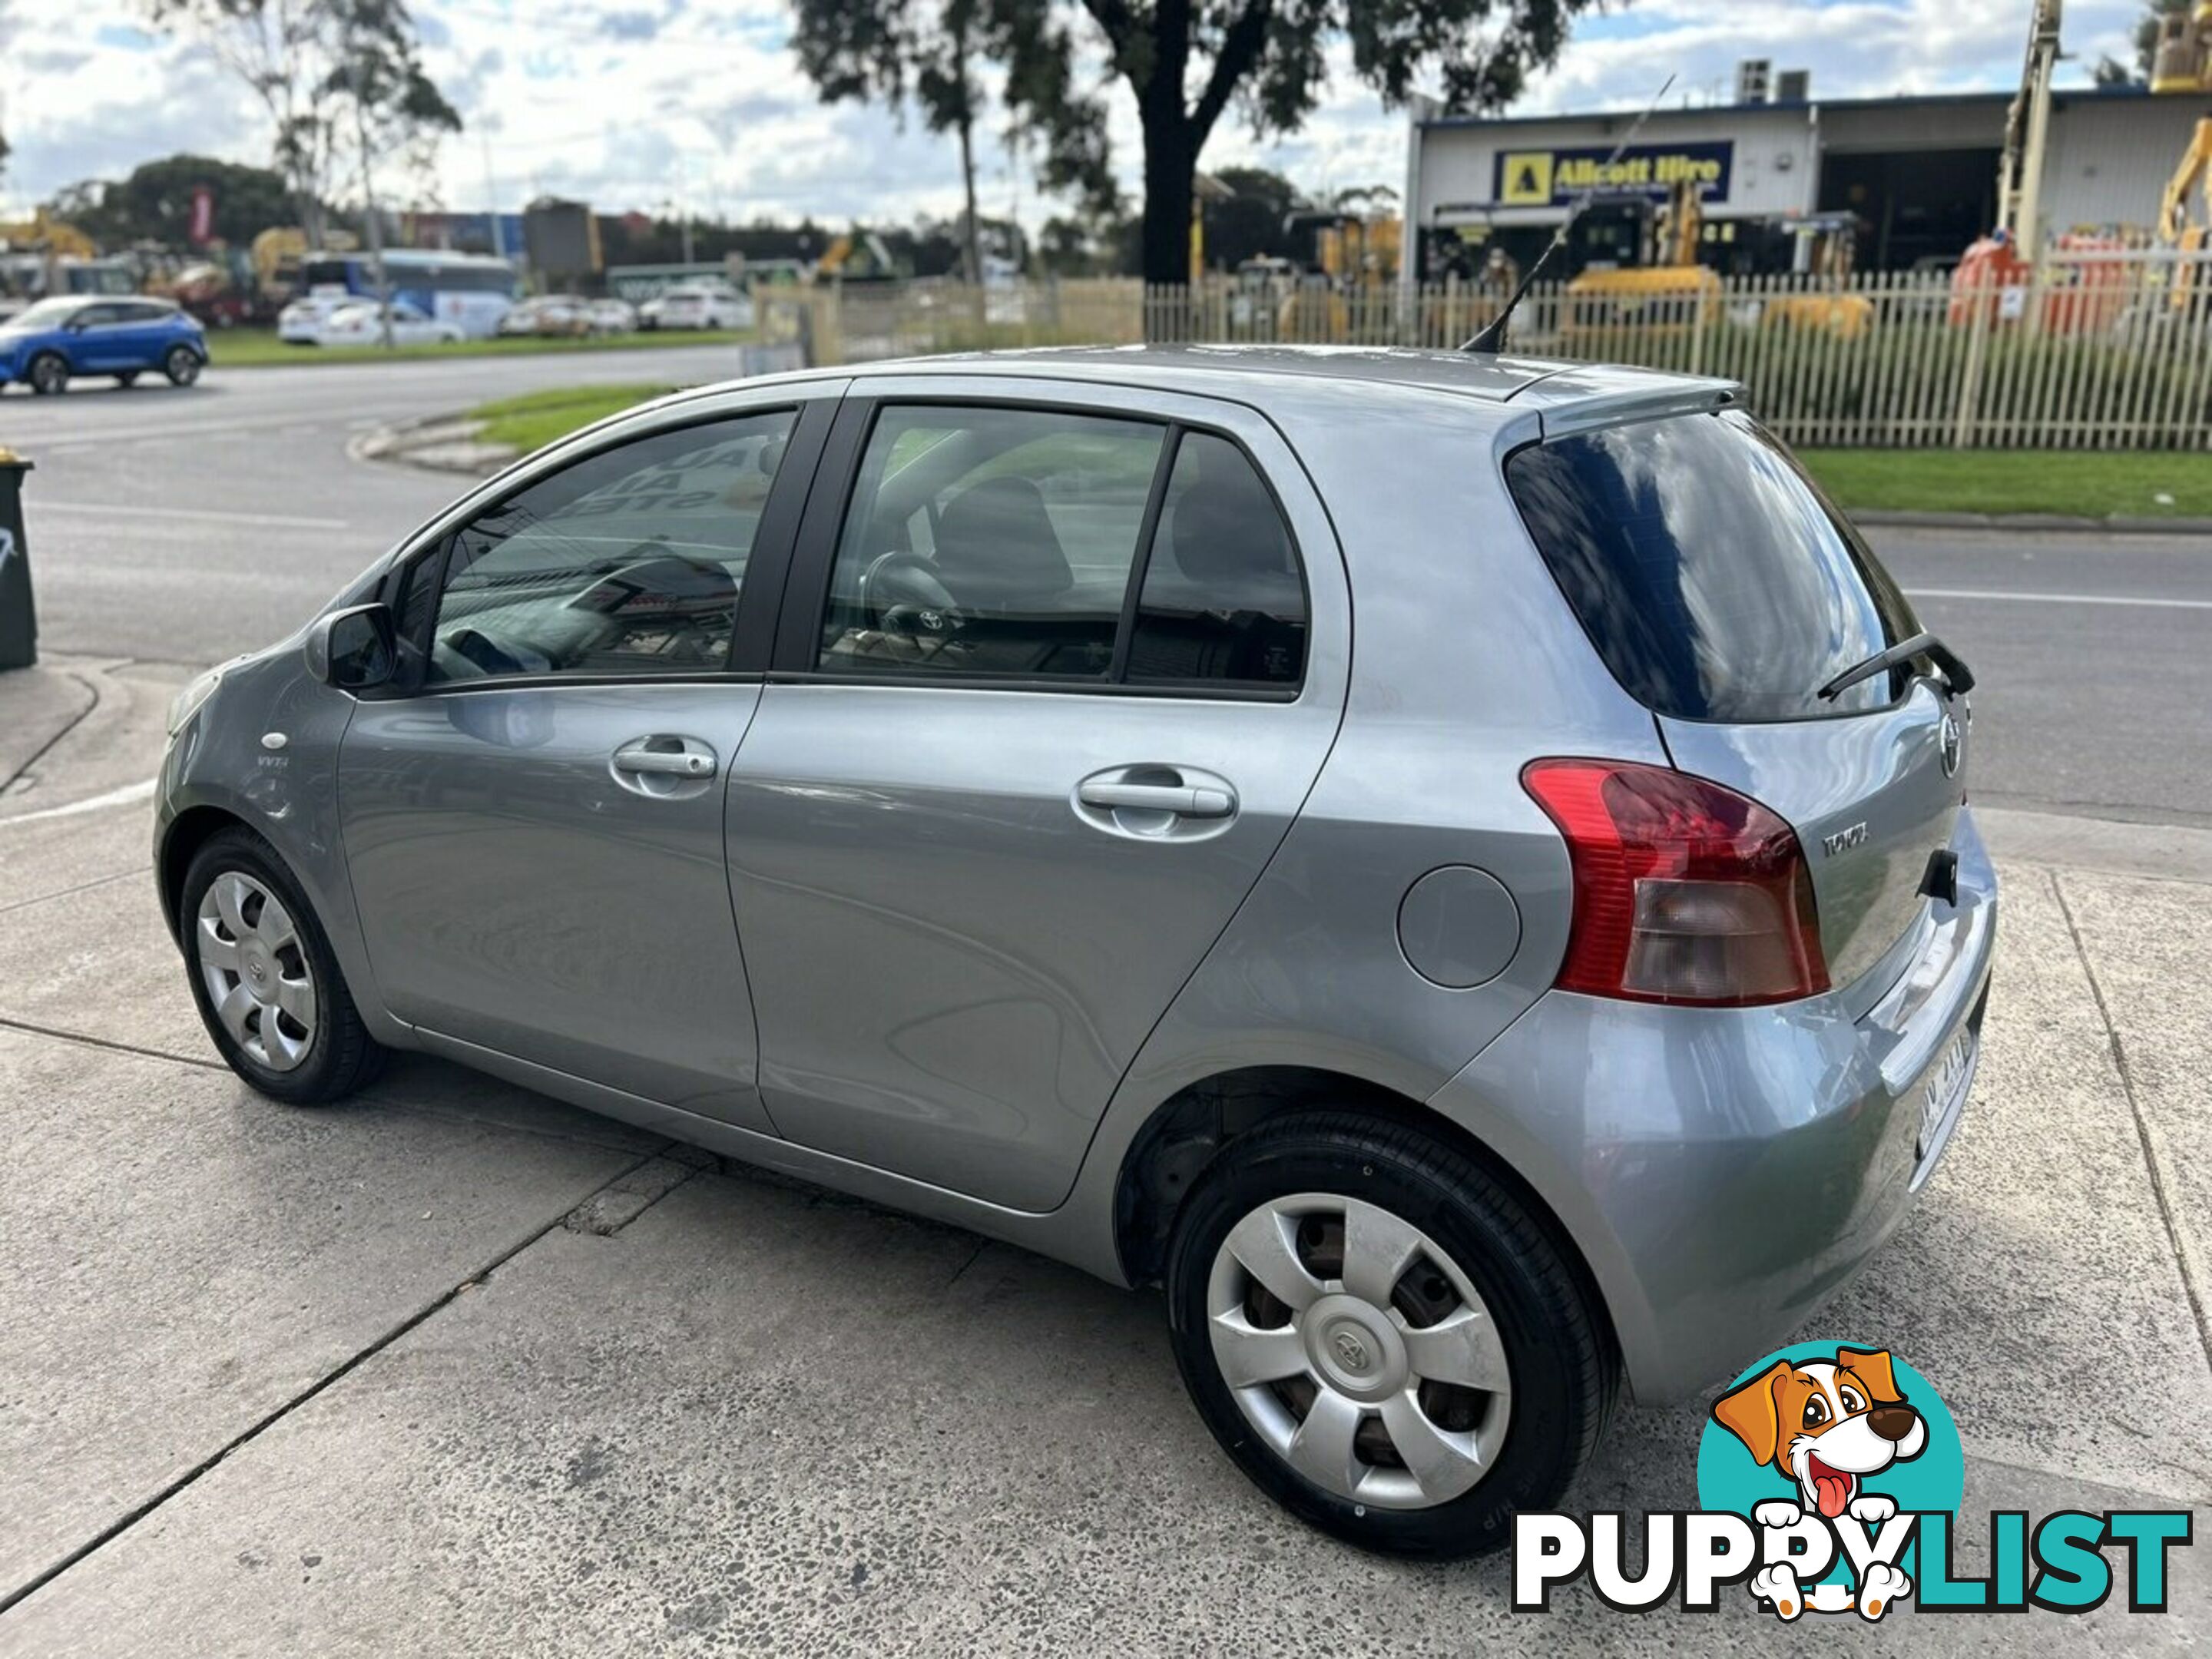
(902,594)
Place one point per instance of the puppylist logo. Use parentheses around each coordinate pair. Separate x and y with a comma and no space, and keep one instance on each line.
(1829,1477)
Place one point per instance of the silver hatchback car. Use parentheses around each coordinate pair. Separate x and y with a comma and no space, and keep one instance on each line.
(1456,868)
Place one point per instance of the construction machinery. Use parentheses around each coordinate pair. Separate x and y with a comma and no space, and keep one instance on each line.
(2189,240)
(1825,247)
(1350,293)
(1633,259)
(2005,258)
(43,234)
(2183,59)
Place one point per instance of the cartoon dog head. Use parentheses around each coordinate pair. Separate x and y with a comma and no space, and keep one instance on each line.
(1828,1424)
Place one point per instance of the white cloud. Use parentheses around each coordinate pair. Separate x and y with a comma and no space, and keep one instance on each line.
(636,103)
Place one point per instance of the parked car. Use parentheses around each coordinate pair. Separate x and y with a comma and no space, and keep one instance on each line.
(301,322)
(360,324)
(613,316)
(46,343)
(703,305)
(548,314)
(949,781)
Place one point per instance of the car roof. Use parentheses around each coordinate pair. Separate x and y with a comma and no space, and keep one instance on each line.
(1268,376)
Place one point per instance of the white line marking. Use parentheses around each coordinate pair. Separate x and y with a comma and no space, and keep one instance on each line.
(198,515)
(2057,599)
(123,797)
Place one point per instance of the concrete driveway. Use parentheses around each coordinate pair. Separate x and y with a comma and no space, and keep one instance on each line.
(456,1369)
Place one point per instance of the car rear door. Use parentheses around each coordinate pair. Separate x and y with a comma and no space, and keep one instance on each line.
(1725,592)
(1057,669)
(533,823)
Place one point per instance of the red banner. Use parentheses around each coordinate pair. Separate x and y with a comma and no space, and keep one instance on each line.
(203,231)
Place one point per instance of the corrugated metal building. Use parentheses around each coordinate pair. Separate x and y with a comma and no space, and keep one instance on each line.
(1919,172)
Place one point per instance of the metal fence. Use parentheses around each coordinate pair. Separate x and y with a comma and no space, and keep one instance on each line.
(2093,353)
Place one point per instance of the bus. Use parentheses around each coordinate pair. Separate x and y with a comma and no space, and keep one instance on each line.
(470,290)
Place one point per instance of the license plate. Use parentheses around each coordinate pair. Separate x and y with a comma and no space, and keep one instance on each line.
(1941,1092)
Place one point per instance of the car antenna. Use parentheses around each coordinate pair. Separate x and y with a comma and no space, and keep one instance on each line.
(1492,339)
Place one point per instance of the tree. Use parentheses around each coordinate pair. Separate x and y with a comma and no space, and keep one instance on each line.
(2111,72)
(1186,61)
(1250,223)
(902,52)
(332,75)
(154,204)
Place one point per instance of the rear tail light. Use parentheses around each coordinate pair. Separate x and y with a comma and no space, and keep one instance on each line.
(1684,891)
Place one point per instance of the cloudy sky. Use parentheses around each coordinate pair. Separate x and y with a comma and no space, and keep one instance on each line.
(640,103)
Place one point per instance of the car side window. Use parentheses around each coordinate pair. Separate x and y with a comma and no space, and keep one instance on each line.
(1224,598)
(990,541)
(1003,543)
(628,562)
(96,316)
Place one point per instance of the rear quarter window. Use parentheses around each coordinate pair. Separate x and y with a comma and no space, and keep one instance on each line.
(1712,576)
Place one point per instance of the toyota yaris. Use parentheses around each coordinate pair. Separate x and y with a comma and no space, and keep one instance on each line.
(1456,868)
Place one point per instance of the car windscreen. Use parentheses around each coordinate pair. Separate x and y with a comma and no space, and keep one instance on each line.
(1713,577)
(46,313)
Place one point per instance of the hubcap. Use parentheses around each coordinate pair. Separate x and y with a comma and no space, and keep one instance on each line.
(255,968)
(1358,1350)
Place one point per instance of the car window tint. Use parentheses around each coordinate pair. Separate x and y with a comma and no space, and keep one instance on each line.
(1224,600)
(1716,580)
(628,562)
(990,542)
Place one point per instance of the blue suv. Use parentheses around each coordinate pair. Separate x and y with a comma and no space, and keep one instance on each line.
(44,345)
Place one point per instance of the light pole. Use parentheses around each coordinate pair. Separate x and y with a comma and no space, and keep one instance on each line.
(375,228)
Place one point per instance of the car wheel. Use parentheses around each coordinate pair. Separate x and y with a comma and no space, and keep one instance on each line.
(182,366)
(268,988)
(128,378)
(1383,1337)
(47,373)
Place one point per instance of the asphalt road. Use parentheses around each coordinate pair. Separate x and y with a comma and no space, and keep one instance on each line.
(187,527)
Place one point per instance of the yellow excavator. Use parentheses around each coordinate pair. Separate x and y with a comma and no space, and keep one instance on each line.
(2191,241)
(1635,260)
(43,234)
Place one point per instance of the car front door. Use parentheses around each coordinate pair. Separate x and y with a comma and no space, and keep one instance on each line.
(96,340)
(1052,681)
(534,822)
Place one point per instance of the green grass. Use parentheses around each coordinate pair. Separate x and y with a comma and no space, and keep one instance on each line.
(537,418)
(2079,483)
(259,347)
(2082,483)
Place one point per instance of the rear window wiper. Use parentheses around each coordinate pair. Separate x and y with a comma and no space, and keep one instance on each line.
(1956,675)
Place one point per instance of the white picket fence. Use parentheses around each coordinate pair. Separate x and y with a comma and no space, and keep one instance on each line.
(2093,354)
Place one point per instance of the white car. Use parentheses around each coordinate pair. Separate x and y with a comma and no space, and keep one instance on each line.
(613,316)
(703,305)
(300,323)
(548,314)
(358,324)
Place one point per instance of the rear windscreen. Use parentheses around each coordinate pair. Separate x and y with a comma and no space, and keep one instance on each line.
(1714,581)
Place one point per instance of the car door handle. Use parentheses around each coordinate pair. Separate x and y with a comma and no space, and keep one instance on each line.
(666,757)
(1183,800)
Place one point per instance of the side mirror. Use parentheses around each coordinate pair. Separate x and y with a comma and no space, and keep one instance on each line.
(354,650)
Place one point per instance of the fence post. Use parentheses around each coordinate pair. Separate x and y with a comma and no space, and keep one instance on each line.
(19,616)
(1984,297)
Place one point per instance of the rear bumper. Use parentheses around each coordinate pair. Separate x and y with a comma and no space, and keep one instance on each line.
(1725,1172)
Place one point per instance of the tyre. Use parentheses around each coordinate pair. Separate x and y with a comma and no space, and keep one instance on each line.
(128,378)
(48,373)
(1383,1337)
(268,988)
(182,365)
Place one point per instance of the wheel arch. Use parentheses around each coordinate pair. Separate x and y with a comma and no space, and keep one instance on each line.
(185,835)
(1191,1128)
